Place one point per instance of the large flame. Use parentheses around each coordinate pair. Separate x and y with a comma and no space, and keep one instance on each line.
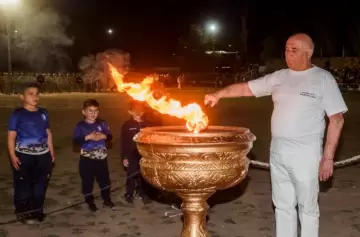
(196,119)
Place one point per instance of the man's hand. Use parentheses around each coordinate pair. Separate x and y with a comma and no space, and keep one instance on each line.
(326,168)
(15,162)
(126,163)
(211,100)
(53,158)
(241,89)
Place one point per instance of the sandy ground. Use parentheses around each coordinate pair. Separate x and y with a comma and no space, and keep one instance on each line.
(244,211)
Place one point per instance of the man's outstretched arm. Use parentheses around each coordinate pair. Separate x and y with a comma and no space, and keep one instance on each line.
(236,90)
(260,87)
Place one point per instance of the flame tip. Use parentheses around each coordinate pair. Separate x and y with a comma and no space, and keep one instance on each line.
(196,119)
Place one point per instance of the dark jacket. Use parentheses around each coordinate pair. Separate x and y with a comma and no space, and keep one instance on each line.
(128,130)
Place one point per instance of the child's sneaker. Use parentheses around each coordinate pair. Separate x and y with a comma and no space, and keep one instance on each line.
(109,204)
(40,217)
(22,218)
(145,199)
(129,199)
(92,207)
(28,221)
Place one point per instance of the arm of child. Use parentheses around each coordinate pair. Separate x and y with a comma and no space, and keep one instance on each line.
(51,144)
(123,151)
(11,148)
(79,138)
(50,137)
(11,140)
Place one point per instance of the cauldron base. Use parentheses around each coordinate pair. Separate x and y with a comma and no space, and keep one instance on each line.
(194,166)
(195,209)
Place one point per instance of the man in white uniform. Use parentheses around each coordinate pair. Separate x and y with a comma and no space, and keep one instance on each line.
(302,95)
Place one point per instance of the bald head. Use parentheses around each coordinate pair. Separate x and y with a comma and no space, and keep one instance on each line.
(304,39)
(299,50)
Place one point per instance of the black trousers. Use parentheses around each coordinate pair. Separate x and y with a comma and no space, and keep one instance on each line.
(31,182)
(134,178)
(91,169)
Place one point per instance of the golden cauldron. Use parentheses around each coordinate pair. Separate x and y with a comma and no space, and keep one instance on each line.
(194,166)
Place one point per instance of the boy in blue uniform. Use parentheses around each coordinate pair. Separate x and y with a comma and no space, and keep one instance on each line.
(31,153)
(130,154)
(92,134)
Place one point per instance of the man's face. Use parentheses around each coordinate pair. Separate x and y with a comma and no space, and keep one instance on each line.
(31,96)
(91,113)
(297,54)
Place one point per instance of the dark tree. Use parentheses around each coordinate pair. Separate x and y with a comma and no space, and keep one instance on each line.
(271,49)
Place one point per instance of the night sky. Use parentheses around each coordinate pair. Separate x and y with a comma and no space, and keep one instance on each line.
(150,30)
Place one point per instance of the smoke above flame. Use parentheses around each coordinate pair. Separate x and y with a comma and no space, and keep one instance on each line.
(196,119)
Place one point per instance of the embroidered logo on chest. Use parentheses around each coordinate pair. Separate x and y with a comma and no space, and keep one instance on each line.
(99,128)
(43,116)
(308,94)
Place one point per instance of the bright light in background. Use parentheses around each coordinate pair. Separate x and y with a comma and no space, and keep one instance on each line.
(110,31)
(9,2)
(8,6)
(213,28)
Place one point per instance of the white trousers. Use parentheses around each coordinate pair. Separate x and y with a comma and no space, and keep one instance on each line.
(294,167)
